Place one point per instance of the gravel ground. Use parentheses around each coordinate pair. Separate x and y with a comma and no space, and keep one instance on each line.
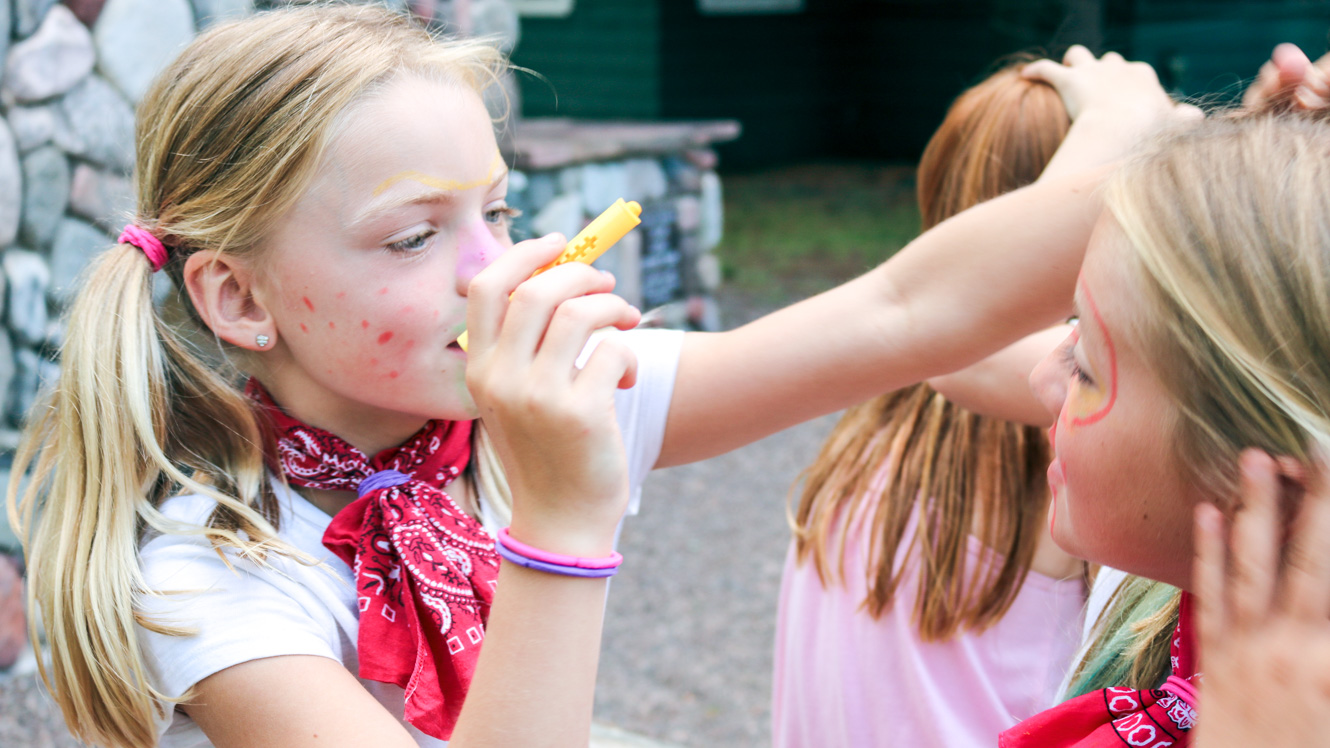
(691,616)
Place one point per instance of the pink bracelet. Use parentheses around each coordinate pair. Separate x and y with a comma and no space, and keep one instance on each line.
(611,561)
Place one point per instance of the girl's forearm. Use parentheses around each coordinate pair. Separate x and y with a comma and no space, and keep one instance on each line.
(961,291)
(535,681)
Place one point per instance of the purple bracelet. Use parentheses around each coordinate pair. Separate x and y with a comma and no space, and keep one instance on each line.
(567,571)
(556,563)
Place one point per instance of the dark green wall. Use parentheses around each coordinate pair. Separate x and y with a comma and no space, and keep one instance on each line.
(873,78)
(602,61)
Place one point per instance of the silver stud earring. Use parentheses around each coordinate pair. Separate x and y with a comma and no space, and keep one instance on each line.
(261,341)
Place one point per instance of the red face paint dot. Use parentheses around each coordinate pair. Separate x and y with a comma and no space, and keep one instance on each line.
(385,337)
(341,294)
(303,328)
(410,343)
(364,324)
(383,290)
(392,375)
(332,325)
(308,303)
(373,362)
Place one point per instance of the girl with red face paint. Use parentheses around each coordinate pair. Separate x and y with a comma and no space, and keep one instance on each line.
(306,552)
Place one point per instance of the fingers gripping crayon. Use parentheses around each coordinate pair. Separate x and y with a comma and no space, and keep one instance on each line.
(592,241)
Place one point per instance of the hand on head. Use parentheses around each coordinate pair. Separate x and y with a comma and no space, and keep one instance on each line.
(1264,612)
(1128,93)
(553,424)
(1290,79)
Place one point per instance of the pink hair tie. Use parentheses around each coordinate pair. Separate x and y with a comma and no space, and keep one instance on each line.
(152,246)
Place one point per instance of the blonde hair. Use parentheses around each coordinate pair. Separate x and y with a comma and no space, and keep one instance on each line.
(962,473)
(228,138)
(1229,227)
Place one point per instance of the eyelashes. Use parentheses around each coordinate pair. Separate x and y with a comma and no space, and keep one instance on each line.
(412,243)
(1068,355)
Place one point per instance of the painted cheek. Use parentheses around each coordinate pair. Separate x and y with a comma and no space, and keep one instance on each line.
(477,248)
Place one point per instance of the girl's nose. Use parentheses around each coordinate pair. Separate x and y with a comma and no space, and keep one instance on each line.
(477,247)
(1048,382)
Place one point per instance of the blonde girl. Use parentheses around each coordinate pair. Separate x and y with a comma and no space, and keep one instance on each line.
(921,547)
(1202,302)
(305,554)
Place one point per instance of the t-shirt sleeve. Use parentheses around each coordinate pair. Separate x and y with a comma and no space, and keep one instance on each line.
(235,613)
(644,409)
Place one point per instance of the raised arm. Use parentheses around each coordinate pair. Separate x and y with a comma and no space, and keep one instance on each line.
(999,386)
(961,291)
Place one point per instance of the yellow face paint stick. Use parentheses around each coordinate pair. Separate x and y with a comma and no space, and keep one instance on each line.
(593,241)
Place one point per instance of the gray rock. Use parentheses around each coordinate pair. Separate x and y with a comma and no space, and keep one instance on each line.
(497,20)
(27,378)
(76,243)
(45,195)
(96,123)
(28,15)
(602,184)
(646,179)
(11,186)
(28,278)
(688,212)
(137,38)
(102,197)
(563,214)
(33,126)
(51,61)
(712,220)
(6,29)
(208,12)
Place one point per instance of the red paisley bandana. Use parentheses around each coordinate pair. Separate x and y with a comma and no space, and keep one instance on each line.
(425,570)
(1118,717)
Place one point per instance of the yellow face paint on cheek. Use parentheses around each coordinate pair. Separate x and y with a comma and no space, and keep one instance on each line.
(1088,404)
(450,185)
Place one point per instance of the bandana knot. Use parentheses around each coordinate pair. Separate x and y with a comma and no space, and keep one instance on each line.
(1114,717)
(424,569)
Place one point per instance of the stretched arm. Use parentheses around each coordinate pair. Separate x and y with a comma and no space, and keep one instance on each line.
(961,291)
(999,386)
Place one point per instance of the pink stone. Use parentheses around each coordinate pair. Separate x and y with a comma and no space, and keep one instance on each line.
(86,10)
(13,621)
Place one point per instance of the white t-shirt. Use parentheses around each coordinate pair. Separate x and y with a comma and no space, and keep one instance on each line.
(243,613)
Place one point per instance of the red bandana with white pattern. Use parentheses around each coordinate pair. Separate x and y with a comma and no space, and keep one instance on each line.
(1117,717)
(425,570)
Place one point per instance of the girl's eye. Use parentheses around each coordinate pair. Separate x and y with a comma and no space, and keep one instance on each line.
(500,214)
(1069,360)
(412,243)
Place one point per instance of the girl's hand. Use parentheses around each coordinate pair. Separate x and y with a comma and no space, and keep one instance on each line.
(1290,79)
(1264,611)
(1112,104)
(1109,87)
(553,424)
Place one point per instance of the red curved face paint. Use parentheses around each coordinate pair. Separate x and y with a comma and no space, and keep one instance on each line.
(1092,407)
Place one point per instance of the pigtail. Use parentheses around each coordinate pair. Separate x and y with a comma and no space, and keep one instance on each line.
(1131,642)
(488,475)
(133,419)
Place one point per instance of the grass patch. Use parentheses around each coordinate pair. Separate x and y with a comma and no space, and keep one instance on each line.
(796,231)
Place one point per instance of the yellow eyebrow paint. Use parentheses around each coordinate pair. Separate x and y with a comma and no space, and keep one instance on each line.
(593,241)
(449,185)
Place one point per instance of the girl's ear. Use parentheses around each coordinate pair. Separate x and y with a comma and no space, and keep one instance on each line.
(221,288)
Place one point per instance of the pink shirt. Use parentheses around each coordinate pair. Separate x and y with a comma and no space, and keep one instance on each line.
(844,679)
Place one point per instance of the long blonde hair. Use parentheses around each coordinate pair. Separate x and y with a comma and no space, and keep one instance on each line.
(961,473)
(228,138)
(1229,227)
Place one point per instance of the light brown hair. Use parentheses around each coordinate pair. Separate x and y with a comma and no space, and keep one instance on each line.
(912,452)
(228,138)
